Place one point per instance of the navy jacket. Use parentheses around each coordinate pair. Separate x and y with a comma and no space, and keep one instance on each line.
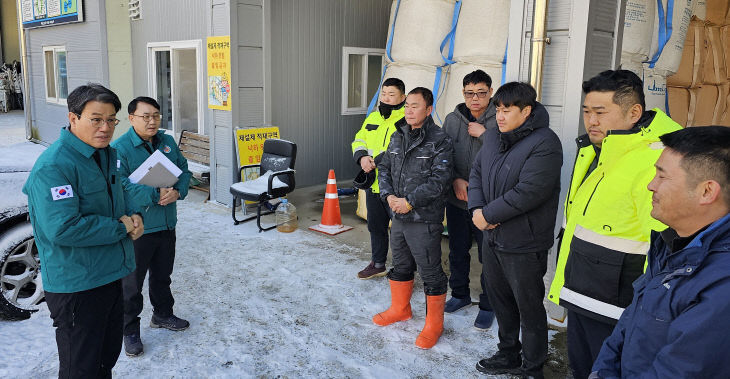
(676,325)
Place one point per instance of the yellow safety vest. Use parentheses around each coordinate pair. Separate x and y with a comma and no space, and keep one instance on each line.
(374,136)
(607,222)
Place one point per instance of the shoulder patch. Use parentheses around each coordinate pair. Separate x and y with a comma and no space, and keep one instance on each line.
(62,192)
(167,149)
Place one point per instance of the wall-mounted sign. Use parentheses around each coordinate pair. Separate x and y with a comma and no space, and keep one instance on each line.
(250,144)
(37,13)
(219,73)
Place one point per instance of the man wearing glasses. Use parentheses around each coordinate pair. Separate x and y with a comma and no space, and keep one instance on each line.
(466,126)
(155,250)
(84,231)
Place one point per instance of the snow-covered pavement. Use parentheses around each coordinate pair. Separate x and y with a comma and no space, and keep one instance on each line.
(267,305)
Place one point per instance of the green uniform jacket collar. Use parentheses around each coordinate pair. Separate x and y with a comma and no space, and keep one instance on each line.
(138,141)
(68,138)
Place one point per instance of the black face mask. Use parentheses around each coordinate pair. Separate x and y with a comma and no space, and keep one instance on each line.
(386,109)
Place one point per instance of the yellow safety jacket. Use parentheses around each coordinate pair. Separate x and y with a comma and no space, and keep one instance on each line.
(374,137)
(607,221)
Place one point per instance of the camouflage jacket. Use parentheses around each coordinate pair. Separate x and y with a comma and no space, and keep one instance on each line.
(418,166)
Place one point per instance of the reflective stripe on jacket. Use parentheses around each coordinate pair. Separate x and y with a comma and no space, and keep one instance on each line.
(374,137)
(143,199)
(75,205)
(607,221)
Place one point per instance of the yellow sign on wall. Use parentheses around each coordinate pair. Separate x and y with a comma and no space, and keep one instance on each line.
(219,73)
(250,144)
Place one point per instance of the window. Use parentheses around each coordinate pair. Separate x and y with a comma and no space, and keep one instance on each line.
(56,73)
(175,82)
(361,73)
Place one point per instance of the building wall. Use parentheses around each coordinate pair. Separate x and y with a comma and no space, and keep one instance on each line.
(9,31)
(164,21)
(119,50)
(306,59)
(87,61)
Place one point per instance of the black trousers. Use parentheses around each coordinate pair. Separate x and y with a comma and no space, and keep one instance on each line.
(585,338)
(378,220)
(417,246)
(88,330)
(462,233)
(153,252)
(516,291)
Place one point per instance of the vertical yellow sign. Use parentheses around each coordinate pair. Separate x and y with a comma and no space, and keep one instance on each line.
(219,73)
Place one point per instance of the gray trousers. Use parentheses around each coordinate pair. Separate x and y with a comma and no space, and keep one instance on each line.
(417,246)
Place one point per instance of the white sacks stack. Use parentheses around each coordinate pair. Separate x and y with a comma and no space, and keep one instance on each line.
(652,43)
(417,30)
(478,45)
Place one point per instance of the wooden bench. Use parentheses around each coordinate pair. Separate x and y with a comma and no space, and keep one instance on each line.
(196,149)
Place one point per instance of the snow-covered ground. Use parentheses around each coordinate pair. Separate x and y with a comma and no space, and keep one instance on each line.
(268,305)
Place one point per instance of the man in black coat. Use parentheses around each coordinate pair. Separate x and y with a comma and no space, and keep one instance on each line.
(414,176)
(514,187)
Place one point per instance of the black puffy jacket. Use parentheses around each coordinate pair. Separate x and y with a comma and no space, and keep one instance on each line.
(418,166)
(515,180)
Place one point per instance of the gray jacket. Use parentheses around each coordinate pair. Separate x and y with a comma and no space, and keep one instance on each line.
(417,166)
(466,147)
(516,183)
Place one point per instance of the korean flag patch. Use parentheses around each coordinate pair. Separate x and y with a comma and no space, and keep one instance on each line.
(62,192)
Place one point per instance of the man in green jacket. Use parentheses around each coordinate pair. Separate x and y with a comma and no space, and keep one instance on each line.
(371,141)
(82,228)
(155,250)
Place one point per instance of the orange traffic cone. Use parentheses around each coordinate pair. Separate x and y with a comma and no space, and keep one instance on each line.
(331,220)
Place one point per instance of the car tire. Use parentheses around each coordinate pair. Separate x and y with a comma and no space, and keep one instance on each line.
(21,288)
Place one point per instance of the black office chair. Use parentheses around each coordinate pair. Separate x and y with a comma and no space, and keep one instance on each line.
(278,158)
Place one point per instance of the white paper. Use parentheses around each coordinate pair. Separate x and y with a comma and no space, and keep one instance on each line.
(143,175)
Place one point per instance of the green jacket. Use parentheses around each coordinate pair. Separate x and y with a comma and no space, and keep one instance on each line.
(374,137)
(607,222)
(75,206)
(143,199)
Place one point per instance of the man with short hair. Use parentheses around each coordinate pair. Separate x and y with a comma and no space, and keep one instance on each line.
(414,175)
(370,142)
(155,250)
(607,224)
(513,196)
(466,126)
(675,325)
(83,229)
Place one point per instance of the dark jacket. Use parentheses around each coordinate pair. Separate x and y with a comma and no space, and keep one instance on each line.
(417,166)
(676,324)
(466,147)
(516,182)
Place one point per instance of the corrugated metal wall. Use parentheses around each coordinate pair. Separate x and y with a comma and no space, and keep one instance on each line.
(306,60)
(164,21)
(86,60)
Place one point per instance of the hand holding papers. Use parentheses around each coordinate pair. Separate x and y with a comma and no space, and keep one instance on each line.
(156,171)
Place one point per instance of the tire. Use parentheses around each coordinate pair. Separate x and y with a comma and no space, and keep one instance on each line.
(21,288)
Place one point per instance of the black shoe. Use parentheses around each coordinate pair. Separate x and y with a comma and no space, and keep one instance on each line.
(501,363)
(171,322)
(133,345)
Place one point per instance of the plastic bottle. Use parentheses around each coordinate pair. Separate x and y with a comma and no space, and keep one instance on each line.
(286,217)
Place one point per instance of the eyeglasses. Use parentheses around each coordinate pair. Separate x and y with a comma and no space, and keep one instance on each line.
(470,94)
(97,122)
(149,117)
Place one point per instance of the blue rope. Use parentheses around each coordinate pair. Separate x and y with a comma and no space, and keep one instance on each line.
(665,29)
(389,44)
(504,64)
(451,35)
